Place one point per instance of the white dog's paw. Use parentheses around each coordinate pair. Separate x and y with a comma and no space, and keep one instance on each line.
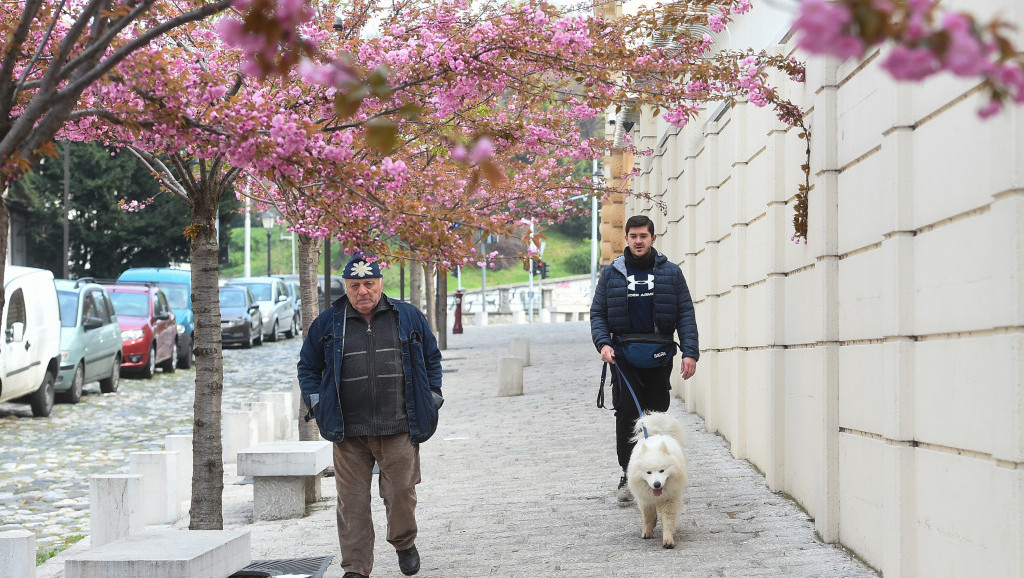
(668,543)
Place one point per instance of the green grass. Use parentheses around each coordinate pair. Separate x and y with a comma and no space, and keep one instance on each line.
(558,253)
(44,555)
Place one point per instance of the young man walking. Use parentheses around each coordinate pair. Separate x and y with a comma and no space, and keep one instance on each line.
(370,372)
(641,292)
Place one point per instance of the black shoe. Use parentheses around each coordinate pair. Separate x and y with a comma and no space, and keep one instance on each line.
(354,575)
(622,493)
(409,561)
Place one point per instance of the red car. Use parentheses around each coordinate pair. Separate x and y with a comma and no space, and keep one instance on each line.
(149,333)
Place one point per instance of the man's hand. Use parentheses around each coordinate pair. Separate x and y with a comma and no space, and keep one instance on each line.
(688,367)
(607,354)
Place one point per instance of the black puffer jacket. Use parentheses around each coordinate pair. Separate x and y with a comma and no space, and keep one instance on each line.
(673,308)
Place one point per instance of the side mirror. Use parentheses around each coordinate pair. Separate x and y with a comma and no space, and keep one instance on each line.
(92,323)
(162,316)
(16,332)
(281,298)
(254,307)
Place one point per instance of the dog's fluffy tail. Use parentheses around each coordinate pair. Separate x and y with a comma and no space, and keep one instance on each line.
(659,423)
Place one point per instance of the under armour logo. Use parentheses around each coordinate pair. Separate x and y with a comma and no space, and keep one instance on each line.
(633,282)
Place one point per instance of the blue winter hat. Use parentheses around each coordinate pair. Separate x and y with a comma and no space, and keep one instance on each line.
(359,268)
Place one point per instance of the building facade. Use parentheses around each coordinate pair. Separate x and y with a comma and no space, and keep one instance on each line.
(875,372)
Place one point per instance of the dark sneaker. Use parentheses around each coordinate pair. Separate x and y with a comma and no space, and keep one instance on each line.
(409,561)
(623,494)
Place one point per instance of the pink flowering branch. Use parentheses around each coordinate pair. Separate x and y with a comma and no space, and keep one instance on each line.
(926,39)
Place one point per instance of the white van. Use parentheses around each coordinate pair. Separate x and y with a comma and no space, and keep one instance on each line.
(30,346)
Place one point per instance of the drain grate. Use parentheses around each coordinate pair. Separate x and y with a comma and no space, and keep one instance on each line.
(311,567)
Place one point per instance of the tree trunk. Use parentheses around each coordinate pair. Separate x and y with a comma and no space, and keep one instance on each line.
(5,228)
(206,511)
(309,263)
(416,284)
(442,310)
(430,303)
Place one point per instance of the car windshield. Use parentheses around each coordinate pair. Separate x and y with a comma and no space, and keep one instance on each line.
(229,298)
(68,308)
(177,294)
(260,291)
(130,304)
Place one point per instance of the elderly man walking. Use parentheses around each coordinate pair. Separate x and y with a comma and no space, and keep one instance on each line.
(370,371)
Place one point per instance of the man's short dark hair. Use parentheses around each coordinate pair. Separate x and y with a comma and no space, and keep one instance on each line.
(637,221)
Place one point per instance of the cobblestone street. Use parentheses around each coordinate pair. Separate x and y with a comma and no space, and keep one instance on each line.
(45,464)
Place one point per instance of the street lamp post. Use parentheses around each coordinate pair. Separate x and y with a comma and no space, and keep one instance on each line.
(268,221)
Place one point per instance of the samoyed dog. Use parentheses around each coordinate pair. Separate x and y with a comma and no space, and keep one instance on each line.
(656,474)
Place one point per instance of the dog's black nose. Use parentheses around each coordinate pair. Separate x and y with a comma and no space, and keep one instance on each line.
(657,485)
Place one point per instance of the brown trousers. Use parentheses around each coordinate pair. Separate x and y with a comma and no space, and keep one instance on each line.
(399,462)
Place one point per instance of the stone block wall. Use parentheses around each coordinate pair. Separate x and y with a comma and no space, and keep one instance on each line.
(875,372)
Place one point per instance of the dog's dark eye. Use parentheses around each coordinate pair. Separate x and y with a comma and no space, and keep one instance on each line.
(661,471)
(648,472)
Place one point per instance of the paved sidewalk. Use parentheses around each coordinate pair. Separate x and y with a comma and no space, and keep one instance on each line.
(523,486)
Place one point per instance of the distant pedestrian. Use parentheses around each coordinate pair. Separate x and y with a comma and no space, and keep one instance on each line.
(370,371)
(641,292)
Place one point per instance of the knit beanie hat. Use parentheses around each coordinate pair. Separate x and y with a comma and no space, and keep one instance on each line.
(359,268)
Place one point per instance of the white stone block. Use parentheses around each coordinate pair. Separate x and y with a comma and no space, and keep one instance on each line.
(235,433)
(286,476)
(159,485)
(182,443)
(165,554)
(520,347)
(545,315)
(481,318)
(518,317)
(510,376)
(17,554)
(115,507)
(263,413)
(283,416)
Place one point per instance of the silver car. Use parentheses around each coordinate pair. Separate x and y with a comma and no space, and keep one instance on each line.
(275,304)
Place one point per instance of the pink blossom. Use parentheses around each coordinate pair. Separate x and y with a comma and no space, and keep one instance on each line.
(905,63)
(965,55)
(823,29)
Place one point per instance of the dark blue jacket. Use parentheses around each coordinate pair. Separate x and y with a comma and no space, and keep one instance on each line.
(673,308)
(320,362)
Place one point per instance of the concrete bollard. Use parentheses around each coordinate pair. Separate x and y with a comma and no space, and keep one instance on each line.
(544,316)
(264,414)
(518,317)
(17,554)
(510,376)
(115,507)
(282,413)
(159,485)
(235,435)
(520,347)
(182,443)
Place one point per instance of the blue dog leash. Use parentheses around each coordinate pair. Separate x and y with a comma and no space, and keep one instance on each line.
(623,380)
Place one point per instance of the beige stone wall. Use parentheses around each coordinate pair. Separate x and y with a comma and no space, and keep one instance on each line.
(876,373)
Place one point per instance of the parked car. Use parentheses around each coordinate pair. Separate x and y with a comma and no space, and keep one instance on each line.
(30,355)
(90,339)
(149,332)
(296,298)
(177,286)
(240,320)
(337,289)
(275,305)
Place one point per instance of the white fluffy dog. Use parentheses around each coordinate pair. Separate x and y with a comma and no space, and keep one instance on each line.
(657,474)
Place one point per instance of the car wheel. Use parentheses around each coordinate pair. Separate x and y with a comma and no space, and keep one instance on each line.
(188,359)
(74,393)
(172,362)
(150,369)
(247,344)
(291,330)
(259,334)
(42,400)
(273,333)
(109,385)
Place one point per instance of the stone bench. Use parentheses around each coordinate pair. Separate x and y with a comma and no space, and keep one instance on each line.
(285,475)
(165,554)
(569,314)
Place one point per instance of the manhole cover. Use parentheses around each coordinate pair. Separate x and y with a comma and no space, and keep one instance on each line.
(311,567)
